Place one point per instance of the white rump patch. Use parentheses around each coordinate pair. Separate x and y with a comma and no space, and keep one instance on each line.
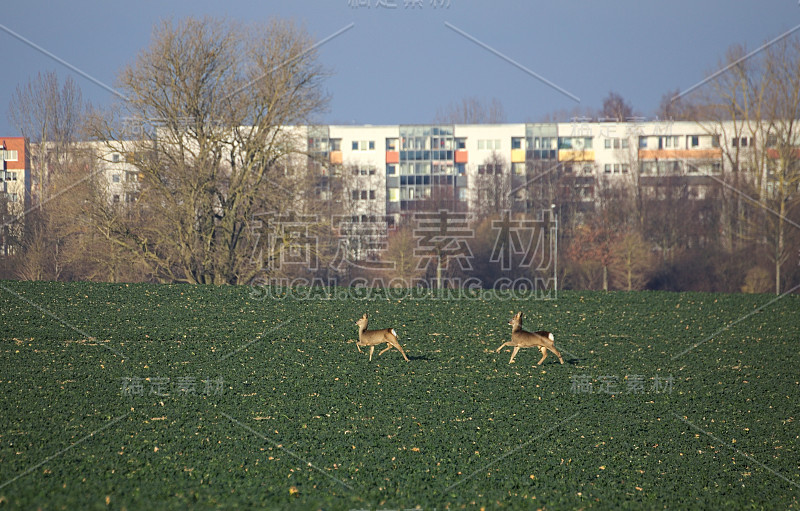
(393,332)
(550,335)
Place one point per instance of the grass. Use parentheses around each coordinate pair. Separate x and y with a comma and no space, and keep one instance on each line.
(129,396)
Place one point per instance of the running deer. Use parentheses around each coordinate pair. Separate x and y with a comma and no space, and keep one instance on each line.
(373,338)
(522,339)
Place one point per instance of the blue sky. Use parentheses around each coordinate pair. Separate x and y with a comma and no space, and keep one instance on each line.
(400,65)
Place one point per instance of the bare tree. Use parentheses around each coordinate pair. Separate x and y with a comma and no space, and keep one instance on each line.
(50,115)
(400,253)
(615,107)
(492,186)
(755,106)
(632,260)
(781,135)
(220,99)
(472,110)
(678,107)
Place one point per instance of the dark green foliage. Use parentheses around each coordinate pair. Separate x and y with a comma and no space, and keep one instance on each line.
(270,405)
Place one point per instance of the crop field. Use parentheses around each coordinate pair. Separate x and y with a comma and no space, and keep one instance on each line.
(147,396)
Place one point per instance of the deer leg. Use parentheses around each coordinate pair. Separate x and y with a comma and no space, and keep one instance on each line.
(502,346)
(558,354)
(359,347)
(513,354)
(544,355)
(387,348)
(371,350)
(400,349)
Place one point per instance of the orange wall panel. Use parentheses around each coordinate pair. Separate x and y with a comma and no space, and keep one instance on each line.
(15,144)
(680,154)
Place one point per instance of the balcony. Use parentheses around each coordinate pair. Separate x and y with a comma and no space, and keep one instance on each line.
(575,155)
(517,155)
(680,154)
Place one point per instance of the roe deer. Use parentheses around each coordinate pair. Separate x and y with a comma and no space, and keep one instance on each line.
(372,338)
(522,339)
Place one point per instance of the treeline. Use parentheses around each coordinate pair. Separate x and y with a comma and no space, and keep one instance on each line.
(214,190)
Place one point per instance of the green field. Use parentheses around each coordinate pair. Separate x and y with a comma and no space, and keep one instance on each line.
(137,396)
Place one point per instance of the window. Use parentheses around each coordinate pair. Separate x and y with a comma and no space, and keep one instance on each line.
(363,145)
(616,168)
(489,144)
(391,169)
(518,168)
(116,198)
(363,195)
(8,155)
(336,144)
(115,178)
(625,168)
(115,157)
(608,143)
(670,142)
(715,141)
(642,142)
(616,143)
(372,195)
(694,141)
(490,169)
(391,144)
(577,143)
(516,143)
(607,168)
(624,143)
(461,143)
(394,194)
(354,195)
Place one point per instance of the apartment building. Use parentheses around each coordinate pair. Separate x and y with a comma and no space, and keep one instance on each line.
(399,169)
(16,184)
